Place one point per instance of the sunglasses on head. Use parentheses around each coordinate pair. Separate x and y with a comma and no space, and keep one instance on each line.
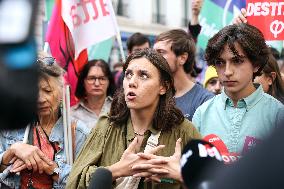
(47,60)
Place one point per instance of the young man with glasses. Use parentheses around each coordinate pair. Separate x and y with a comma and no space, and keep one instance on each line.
(242,115)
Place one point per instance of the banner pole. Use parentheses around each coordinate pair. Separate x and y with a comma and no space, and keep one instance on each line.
(118,36)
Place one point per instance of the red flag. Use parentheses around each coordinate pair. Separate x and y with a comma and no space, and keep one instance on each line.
(62,48)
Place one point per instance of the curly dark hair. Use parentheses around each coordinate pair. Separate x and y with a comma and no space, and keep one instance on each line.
(80,92)
(182,43)
(249,38)
(166,115)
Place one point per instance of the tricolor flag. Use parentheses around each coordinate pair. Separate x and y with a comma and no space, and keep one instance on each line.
(74,26)
(89,22)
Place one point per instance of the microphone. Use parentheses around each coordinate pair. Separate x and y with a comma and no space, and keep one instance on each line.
(199,157)
(227,157)
(217,142)
(101,179)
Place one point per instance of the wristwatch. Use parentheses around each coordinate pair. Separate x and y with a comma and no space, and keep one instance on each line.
(56,171)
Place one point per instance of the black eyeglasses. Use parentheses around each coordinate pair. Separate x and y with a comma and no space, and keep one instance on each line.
(92,79)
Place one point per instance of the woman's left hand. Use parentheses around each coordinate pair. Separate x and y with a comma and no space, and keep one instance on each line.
(158,167)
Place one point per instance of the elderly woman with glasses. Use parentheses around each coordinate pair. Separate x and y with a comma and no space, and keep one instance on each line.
(35,157)
(94,90)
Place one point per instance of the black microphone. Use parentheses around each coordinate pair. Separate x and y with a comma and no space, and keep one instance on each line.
(198,160)
(101,179)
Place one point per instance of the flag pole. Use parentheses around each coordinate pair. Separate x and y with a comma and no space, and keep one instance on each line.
(118,36)
(69,129)
(65,127)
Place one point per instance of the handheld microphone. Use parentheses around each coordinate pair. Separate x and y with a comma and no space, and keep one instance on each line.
(198,158)
(101,179)
(227,157)
(217,142)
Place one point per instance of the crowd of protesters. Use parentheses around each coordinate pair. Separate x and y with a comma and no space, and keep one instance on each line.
(136,120)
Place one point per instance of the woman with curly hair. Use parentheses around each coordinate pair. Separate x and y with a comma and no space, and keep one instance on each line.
(144,108)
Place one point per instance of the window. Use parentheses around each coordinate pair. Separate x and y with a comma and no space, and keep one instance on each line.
(159,12)
(122,7)
(185,19)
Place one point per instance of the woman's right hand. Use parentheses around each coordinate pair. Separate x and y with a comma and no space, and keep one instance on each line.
(31,155)
(129,158)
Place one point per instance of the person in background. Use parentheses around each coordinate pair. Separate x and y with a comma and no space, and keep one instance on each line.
(281,65)
(135,42)
(242,114)
(117,70)
(194,29)
(94,89)
(211,81)
(280,60)
(41,160)
(143,108)
(178,48)
(118,67)
(271,80)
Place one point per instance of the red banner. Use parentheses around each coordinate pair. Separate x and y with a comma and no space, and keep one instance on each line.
(268,16)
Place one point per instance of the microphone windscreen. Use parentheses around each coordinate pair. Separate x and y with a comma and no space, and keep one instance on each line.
(198,157)
(101,179)
(228,157)
(217,142)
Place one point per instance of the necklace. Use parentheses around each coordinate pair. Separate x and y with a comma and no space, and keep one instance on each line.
(139,134)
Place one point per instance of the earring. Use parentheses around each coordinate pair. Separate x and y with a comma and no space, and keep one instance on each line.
(162,92)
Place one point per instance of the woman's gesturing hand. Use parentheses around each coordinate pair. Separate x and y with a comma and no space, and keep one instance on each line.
(157,167)
(129,158)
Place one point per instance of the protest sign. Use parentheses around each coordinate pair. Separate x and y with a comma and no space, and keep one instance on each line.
(268,16)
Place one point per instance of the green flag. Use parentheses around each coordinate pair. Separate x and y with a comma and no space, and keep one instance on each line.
(101,50)
(48,8)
